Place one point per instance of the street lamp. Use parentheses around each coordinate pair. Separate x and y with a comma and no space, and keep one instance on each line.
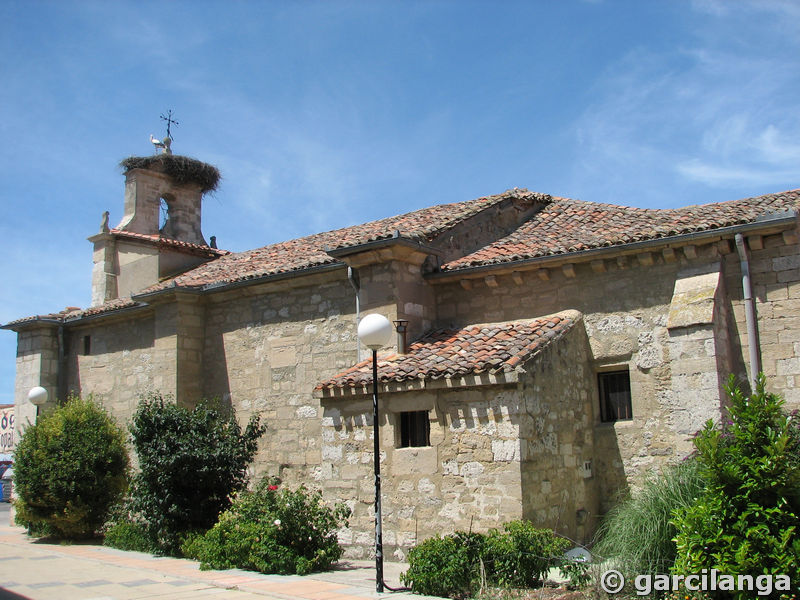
(38,397)
(375,332)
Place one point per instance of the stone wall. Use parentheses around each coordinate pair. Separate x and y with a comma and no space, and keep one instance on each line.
(120,364)
(497,453)
(467,479)
(37,365)
(557,447)
(265,349)
(625,302)
(775,271)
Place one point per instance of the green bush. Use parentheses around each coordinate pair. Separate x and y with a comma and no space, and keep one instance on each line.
(457,565)
(191,462)
(521,556)
(745,521)
(128,536)
(70,467)
(638,535)
(446,566)
(273,530)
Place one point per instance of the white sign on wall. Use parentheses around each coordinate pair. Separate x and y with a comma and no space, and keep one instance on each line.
(6,429)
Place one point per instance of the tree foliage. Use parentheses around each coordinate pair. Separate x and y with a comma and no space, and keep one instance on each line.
(191,462)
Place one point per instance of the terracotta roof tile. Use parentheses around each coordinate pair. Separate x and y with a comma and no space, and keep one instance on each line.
(169,242)
(422,226)
(71,313)
(475,349)
(567,225)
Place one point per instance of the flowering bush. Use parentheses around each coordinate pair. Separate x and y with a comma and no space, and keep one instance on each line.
(273,530)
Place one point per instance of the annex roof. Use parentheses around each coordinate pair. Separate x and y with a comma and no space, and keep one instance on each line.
(160,241)
(565,225)
(471,350)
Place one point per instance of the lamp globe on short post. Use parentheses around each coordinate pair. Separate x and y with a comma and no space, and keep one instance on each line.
(375,332)
(38,397)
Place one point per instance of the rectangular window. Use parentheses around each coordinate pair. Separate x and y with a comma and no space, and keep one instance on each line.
(415,429)
(615,396)
(87,345)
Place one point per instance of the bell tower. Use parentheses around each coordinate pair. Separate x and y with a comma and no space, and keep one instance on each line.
(160,233)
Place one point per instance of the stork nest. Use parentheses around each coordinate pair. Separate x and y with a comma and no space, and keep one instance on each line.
(182,169)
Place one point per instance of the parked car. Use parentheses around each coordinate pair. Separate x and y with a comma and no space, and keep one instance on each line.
(6,479)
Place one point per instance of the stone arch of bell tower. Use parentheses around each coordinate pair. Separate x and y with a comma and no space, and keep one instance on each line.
(144,191)
(144,249)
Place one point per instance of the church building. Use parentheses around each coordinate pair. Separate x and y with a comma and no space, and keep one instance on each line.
(550,352)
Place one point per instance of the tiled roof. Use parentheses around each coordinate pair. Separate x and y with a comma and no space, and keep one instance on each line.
(71,313)
(475,349)
(170,243)
(303,253)
(567,225)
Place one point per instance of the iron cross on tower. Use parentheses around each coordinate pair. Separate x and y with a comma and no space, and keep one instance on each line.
(169,121)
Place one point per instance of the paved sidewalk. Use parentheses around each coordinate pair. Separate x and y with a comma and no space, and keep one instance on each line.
(45,571)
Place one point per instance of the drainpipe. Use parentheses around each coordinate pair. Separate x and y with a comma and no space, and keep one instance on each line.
(401,325)
(749,312)
(352,277)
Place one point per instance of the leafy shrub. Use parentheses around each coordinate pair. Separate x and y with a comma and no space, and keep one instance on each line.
(638,535)
(745,521)
(191,462)
(522,555)
(273,530)
(445,566)
(456,565)
(128,536)
(70,467)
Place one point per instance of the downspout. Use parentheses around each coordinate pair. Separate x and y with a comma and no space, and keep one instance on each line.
(749,312)
(352,277)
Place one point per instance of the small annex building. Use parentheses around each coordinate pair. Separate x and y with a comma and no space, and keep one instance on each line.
(555,351)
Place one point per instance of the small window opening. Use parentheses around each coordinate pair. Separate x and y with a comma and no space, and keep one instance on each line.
(87,345)
(415,429)
(615,396)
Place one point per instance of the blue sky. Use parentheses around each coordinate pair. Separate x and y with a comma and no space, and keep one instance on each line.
(326,114)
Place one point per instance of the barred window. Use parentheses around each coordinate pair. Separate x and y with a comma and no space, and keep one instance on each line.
(415,429)
(615,396)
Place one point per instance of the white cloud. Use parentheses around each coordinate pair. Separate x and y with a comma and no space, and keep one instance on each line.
(718,114)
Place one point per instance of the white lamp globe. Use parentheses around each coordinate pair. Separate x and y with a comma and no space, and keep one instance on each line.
(375,331)
(37,396)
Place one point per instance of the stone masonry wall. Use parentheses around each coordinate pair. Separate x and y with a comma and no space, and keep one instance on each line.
(467,479)
(264,352)
(625,303)
(119,367)
(557,439)
(775,271)
(37,364)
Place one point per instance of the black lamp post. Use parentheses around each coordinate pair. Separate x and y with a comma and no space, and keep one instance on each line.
(375,331)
